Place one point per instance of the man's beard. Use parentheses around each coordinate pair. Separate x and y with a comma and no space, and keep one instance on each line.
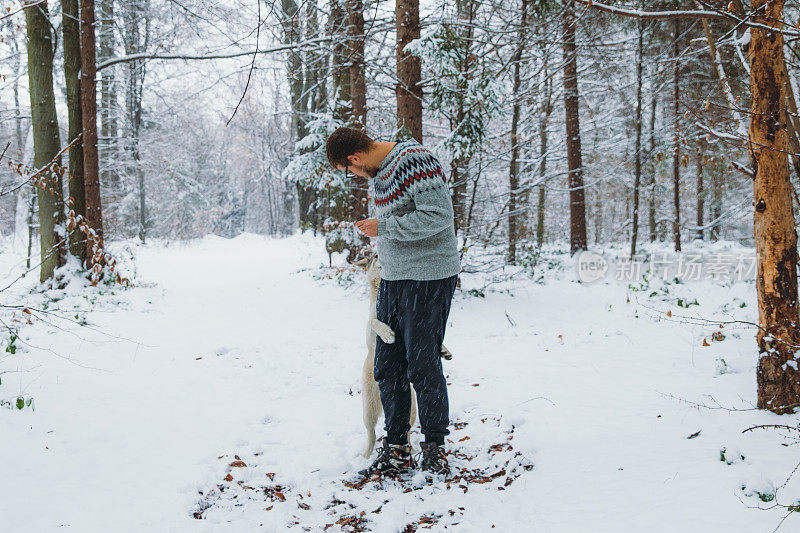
(370,171)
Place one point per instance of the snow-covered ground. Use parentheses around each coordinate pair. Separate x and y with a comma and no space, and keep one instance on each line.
(574,405)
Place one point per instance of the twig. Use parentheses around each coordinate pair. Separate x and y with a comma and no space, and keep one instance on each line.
(765,426)
(252,66)
(44,168)
(697,404)
(700,321)
(23,8)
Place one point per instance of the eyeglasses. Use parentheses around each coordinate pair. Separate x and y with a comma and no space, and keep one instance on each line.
(347,173)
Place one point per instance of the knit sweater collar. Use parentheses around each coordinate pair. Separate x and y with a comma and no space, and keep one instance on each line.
(392,155)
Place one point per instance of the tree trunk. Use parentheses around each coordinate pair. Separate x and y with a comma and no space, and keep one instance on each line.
(700,192)
(577,205)
(358,85)
(46,140)
(316,62)
(291,32)
(72,68)
(598,215)
(294,65)
(409,71)
(303,30)
(775,237)
(513,180)
(637,163)
(142,193)
(544,120)
(342,104)
(540,208)
(17,73)
(135,41)
(716,204)
(106,46)
(359,207)
(31,228)
(475,181)
(651,196)
(459,166)
(676,149)
(26,196)
(91,164)
(458,182)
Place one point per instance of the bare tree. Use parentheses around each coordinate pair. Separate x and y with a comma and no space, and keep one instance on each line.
(637,169)
(106,46)
(72,69)
(776,239)
(698,159)
(513,180)
(676,141)
(91,164)
(358,98)
(136,18)
(409,70)
(577,203)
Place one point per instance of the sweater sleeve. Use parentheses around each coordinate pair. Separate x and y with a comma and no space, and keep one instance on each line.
(433,212)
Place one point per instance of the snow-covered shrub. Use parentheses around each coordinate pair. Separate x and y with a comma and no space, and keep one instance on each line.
(309,168)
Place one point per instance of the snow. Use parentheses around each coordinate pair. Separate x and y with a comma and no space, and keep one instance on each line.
(246,347)
(744,40)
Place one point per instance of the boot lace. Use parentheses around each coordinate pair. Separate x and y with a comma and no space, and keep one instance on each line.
(433,457)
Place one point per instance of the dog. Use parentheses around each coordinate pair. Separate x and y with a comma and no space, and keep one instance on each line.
(370,395)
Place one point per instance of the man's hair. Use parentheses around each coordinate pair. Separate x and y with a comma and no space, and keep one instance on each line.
(344,142)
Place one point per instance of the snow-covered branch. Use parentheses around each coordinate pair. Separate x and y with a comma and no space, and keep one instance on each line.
(149,55)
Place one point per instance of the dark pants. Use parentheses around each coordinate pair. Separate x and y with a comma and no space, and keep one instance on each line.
(417,312)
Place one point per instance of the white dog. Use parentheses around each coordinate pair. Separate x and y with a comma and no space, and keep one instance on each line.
(370,395)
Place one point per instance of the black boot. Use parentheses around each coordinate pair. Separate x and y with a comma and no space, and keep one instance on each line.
(392,459)
(434,460)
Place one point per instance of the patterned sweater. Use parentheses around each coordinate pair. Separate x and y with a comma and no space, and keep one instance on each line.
(416,238)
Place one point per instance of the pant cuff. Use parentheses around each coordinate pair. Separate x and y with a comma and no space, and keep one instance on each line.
(397,439)
(438,439)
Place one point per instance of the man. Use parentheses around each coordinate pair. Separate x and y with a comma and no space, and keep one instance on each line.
(418,254)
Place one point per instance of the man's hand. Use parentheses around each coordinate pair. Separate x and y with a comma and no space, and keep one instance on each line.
(368,227)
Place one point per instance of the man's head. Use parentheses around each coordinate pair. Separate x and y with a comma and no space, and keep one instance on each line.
(353,150)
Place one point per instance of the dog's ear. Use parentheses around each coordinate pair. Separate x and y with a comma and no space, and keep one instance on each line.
(372,260)
(363,262)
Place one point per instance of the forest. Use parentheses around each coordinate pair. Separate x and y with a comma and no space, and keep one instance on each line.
(183,285)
